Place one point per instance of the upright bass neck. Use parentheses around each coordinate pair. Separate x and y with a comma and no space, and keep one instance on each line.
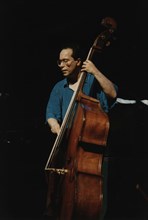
(64,124)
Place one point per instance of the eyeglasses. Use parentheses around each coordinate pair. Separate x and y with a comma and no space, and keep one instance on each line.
(64,61)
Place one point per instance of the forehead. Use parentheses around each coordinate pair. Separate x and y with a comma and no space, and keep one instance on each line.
(66,52)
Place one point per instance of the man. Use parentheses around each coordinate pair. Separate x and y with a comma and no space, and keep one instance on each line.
(96,85)
(70,64)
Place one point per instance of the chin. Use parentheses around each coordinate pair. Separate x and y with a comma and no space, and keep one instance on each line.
(65,74)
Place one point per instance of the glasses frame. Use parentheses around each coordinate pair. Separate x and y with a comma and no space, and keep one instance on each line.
(65,61)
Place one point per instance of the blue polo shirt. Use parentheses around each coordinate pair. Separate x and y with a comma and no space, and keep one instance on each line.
(61,95)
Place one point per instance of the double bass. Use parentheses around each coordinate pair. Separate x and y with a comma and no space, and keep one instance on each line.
(77,154)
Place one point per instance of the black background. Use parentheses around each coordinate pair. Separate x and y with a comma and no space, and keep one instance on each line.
(31,33)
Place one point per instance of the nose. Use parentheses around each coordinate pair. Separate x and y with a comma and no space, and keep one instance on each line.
(61,64)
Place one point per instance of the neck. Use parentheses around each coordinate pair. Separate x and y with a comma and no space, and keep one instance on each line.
(73,78)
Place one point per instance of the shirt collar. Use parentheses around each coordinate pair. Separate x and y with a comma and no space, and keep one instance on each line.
(65,83)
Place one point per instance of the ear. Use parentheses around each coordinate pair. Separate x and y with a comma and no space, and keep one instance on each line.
(78,62)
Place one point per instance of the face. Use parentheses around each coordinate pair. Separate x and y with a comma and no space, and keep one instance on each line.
(67,63)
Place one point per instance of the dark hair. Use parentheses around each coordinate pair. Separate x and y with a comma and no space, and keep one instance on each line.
(75,48)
